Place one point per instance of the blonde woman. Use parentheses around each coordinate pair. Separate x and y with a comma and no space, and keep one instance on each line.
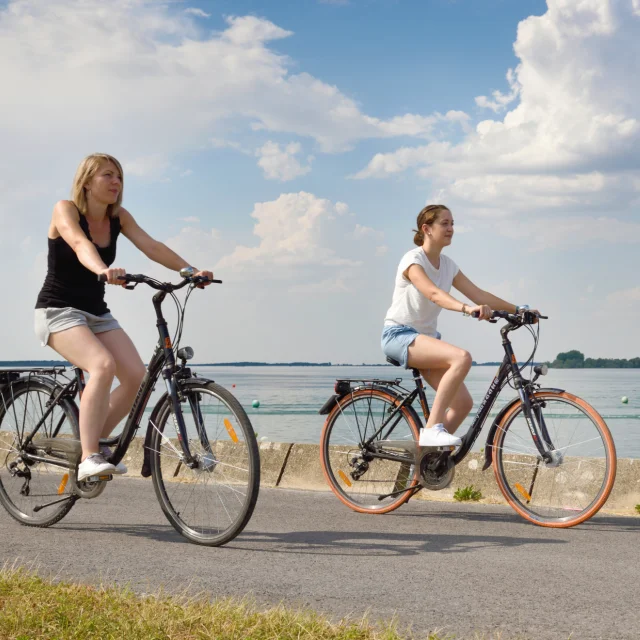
(71,314)
(410,336)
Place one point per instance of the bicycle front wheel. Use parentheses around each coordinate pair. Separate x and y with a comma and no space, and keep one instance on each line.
(25,485)
(211,503)
(576,481)
(358,478)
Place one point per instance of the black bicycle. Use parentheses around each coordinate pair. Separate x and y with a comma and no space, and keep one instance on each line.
(552,453)
(200,447)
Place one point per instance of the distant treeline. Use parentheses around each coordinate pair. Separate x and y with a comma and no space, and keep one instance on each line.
(576,360)
(569,360)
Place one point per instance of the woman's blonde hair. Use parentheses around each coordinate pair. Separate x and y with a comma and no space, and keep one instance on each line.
(87,169)
(427,216)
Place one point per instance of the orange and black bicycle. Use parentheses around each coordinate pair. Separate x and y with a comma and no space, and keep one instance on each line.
(552,453)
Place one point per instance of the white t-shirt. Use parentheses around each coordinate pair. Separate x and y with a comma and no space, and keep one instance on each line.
(408,305)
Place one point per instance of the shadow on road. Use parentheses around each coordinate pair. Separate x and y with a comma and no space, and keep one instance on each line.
(597,523)
(368,543)
(159,533)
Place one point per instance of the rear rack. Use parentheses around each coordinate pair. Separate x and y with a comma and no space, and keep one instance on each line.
(395,381)
(43,370)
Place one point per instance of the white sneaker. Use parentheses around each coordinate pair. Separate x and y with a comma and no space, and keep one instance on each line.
(121,467)
(94,465)
(438,436)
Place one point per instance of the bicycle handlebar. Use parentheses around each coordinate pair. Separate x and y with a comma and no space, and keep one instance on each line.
(160,286)
(528,317)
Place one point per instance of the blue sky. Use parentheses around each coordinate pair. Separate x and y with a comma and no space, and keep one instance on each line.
(290,145)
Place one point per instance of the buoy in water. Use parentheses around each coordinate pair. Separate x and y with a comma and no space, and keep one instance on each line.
(624,400)
(233,385)
(255,404)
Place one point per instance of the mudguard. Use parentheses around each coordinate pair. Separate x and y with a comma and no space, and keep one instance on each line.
(145,472)
(488,449)
(327,407)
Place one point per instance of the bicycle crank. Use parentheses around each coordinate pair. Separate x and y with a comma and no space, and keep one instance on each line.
(436,475)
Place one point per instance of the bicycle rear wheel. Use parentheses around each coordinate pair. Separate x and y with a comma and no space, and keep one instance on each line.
(573,486)
(356,477)
(27,485)
(211,503)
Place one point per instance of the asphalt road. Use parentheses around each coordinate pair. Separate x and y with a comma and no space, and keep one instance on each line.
(459,569)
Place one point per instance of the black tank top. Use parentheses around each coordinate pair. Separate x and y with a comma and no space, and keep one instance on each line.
(69,283)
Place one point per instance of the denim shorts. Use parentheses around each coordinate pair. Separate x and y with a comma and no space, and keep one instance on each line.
(396,340)
(52,320)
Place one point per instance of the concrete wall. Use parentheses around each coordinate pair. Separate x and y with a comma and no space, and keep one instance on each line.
(297,466)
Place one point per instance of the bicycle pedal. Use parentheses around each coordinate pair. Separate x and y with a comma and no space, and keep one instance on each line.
(104,478)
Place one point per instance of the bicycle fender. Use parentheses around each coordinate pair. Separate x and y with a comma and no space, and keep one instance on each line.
(488,448)
(145,472)
(329,404)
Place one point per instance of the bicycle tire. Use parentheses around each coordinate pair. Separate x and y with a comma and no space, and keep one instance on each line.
(569,493)
(20,403)
(333,460)
(212,470)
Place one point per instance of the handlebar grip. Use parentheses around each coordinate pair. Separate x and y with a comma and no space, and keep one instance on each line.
(476,314)
(103,278)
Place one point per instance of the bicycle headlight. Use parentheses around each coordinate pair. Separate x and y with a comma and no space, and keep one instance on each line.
(541,369)
(185,353)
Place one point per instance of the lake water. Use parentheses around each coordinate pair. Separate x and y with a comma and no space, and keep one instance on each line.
(290,397)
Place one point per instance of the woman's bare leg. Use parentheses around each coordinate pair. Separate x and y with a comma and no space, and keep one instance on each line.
(430,353)
(129,370)
(81,348)
(461,405)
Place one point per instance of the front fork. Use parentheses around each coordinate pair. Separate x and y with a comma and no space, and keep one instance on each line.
(535,422)
(178,418)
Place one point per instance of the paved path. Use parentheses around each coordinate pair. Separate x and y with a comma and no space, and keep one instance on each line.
(458,568)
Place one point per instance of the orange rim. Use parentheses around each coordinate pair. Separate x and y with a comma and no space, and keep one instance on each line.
(611,475)
(323,462)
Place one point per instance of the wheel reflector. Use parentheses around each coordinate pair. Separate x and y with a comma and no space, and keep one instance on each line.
(63,483)
(344,477)
(523,491)
(231,430)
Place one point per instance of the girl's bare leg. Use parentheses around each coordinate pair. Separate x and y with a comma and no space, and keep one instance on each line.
(430,353)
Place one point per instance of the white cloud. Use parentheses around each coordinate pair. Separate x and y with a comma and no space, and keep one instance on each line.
(191,219)
(627,298)
(501,100)
(152,166)
(279,162)
(573,139)
(330,285)
(199,13)
(136,62)
(570,232)
(301,236)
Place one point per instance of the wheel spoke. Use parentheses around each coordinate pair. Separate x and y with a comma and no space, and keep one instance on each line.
(560,490)
(211,502)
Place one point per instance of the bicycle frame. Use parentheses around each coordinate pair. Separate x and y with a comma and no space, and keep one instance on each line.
(509,365)
(162,363)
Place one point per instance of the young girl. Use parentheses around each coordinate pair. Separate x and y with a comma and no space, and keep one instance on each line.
(410,335)
(71,315)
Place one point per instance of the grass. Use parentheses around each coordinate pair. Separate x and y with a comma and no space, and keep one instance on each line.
(32,607)
(638,508)
(467,494)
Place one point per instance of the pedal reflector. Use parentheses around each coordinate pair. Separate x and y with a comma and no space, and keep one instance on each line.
(231,430)
(104,478)
(344,477)
(63,483)
(523,491)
